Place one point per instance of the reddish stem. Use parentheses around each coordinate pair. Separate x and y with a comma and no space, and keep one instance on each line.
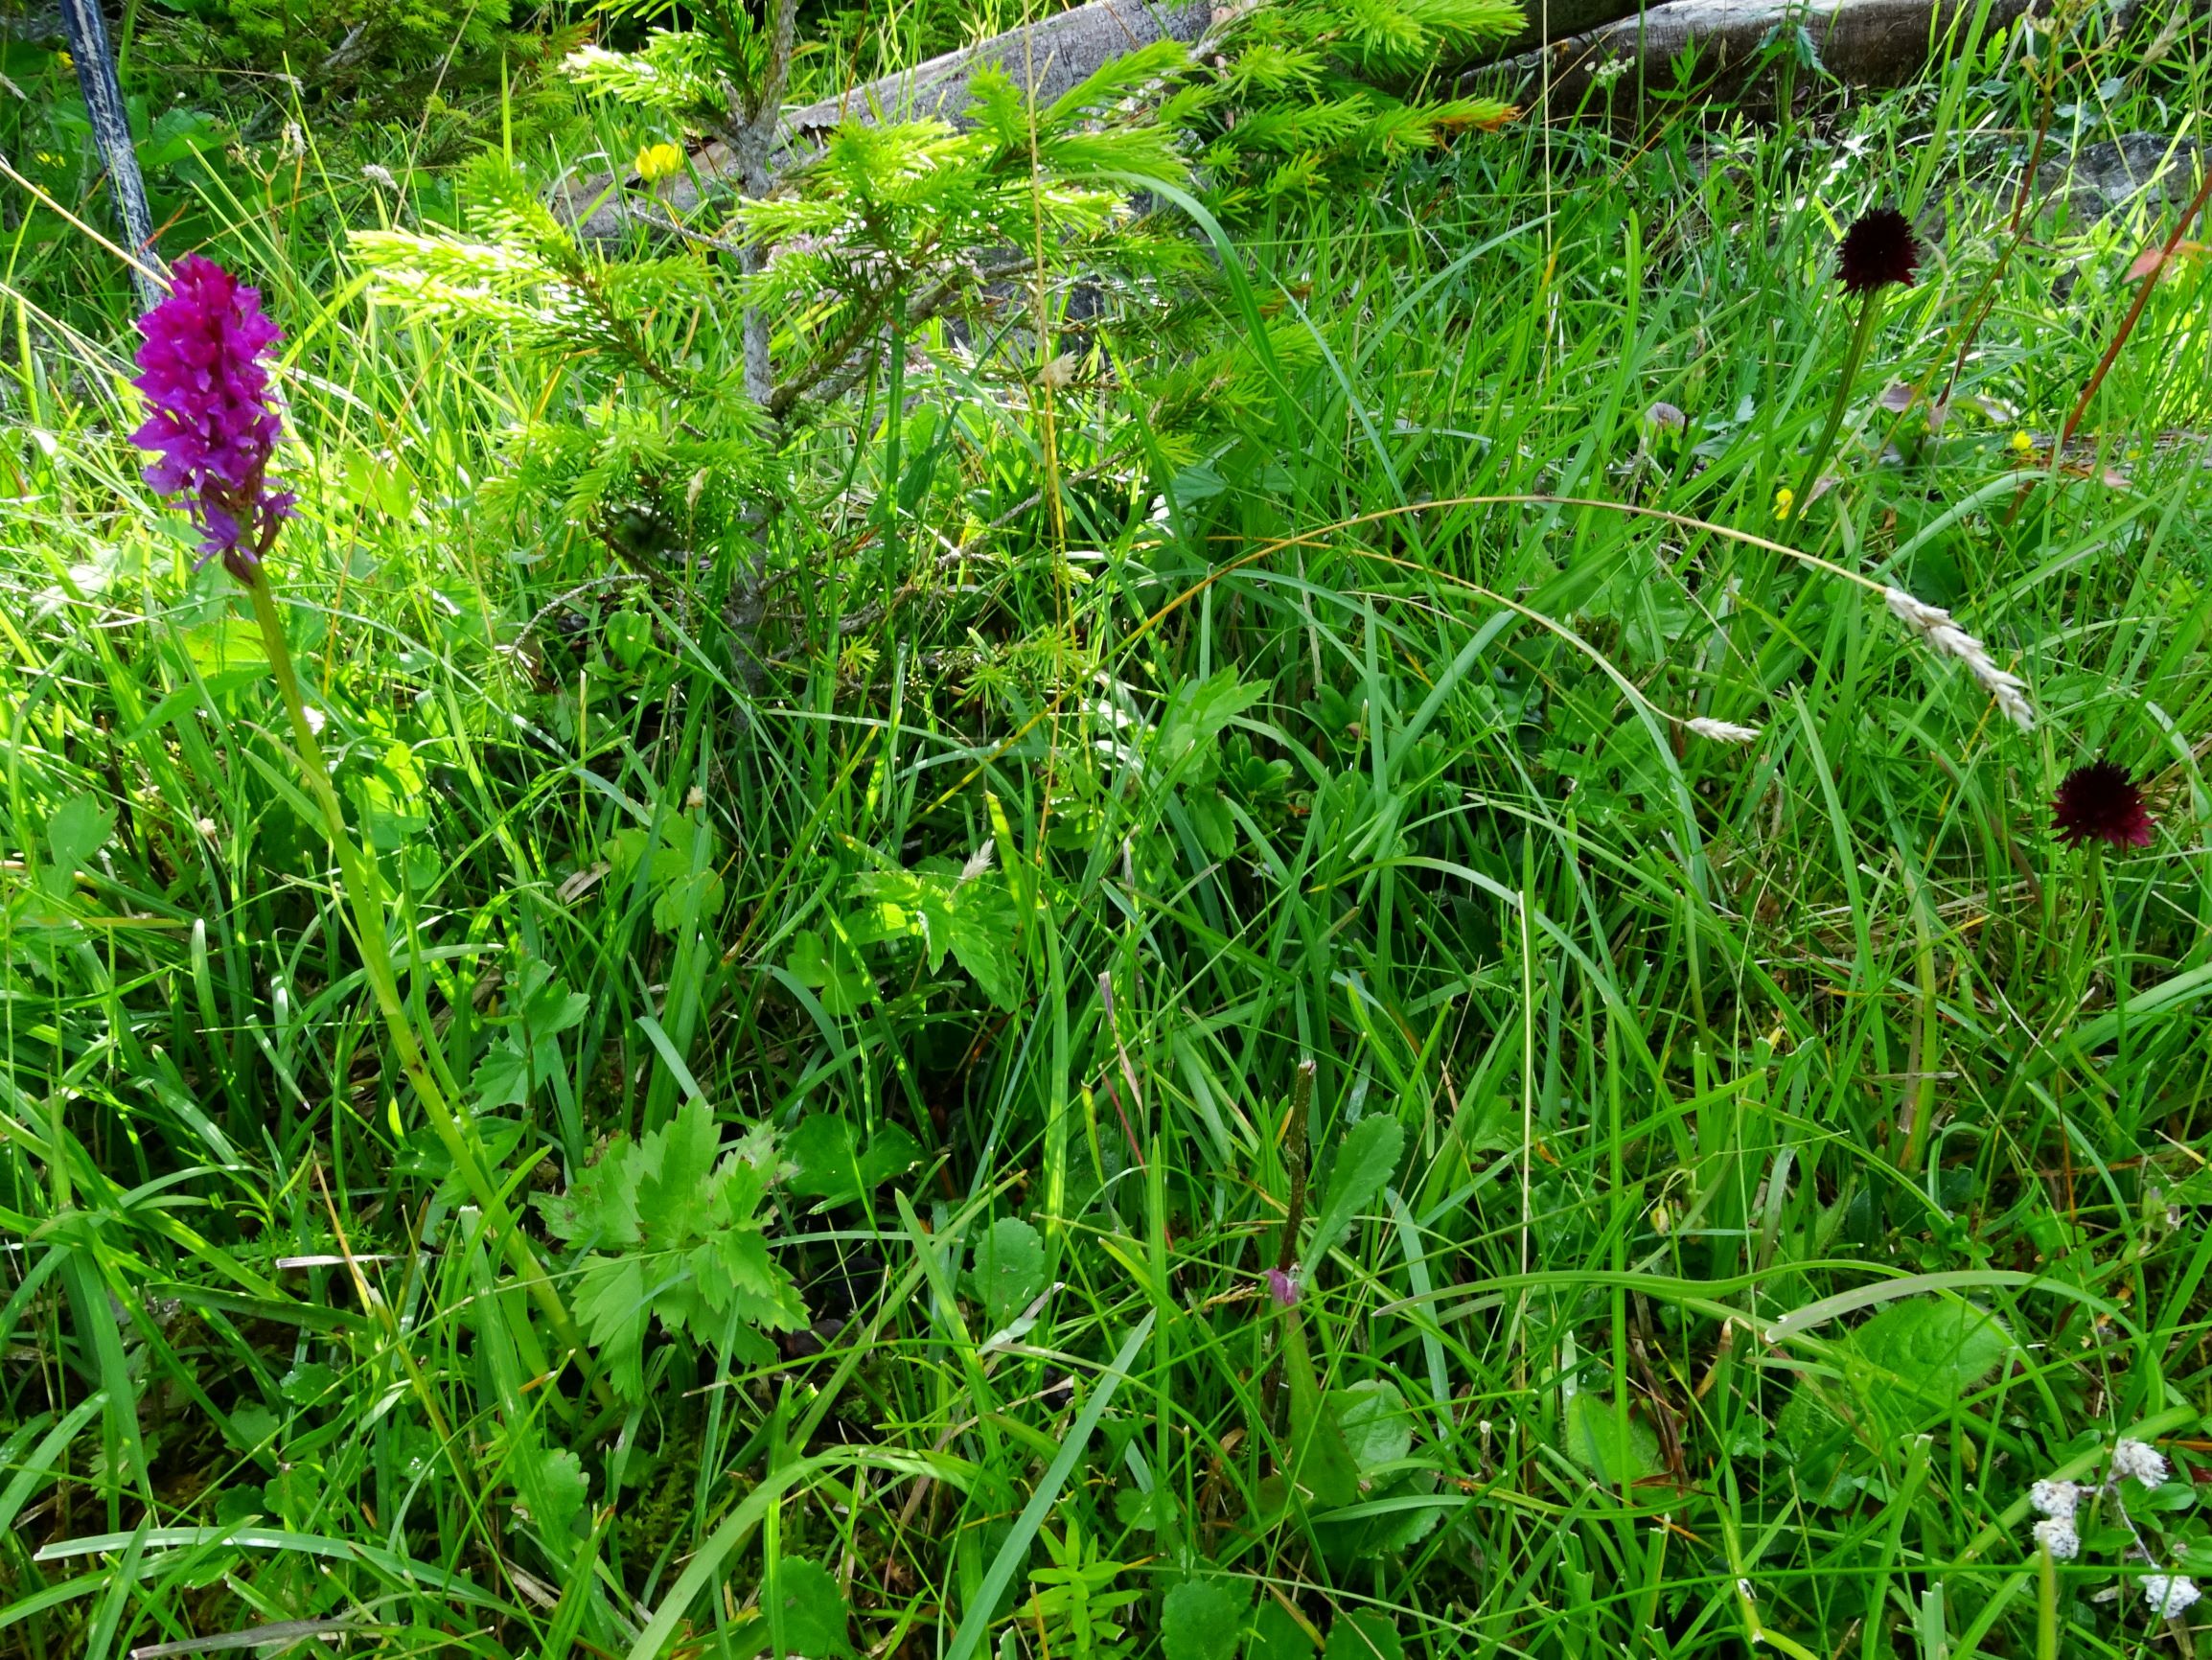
(2128,325)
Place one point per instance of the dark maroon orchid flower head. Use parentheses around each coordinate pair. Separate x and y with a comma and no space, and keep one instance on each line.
(214,425)
(1878,249)
(2099,803)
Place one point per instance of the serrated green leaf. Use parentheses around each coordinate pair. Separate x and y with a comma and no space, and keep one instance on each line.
(501,1078)
(601,1205)
(1199,1619)
(1364,1164)
(813,1613)
(982,936)
(675,1201)
(554,1484)
(610,1304)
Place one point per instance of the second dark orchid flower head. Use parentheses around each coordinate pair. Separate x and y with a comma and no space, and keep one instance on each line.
(2100,802)
(1878,251)
(214,425)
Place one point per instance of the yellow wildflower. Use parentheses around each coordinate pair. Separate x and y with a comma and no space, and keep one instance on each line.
(656,161)
(2024,443)
(1785,499)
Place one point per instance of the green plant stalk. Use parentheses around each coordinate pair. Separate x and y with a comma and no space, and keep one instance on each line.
(1861,340)
(364,894)
(2046,1605)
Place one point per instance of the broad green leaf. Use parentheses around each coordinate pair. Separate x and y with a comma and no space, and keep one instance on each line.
(1376,1425)
(1322,1467)
(814,1609)
(80,828)
(629,637)
(983,930)
(501,1078)
(1199,1619)
(1364,1635)
(827,967)
(1902,1369)
(1364,1164)
(1277,1635)
(890,1153)
(1935,1347)
(1614,1453)
(1010,1269)
(554,1482)
(831,1170)
(827,1164)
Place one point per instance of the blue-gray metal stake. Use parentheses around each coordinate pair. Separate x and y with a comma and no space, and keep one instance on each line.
(87,31)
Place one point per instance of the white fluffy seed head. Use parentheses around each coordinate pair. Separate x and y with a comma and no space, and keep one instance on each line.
(2169,1596)
(2140,1459)
(979,860)
(1722,731)
(2056,1534)
(2055,1498)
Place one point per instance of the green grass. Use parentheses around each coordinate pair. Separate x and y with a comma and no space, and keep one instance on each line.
(1731,1081)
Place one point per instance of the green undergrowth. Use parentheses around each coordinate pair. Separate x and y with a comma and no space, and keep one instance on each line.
(1728,1176)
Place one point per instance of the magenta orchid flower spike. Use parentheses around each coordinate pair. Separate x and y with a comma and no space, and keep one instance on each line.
(214,425)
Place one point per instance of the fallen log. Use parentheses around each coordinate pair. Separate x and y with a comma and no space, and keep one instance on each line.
(1723,45)
(1720,47)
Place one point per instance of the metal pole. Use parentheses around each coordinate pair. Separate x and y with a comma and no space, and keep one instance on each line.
(87,33)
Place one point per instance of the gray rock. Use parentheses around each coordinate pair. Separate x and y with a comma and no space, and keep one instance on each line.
(2101,179)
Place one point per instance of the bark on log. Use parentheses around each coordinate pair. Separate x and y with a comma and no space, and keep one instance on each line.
(1047,58)
(1860,42)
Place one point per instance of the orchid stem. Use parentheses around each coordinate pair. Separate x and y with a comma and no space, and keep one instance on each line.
(364,894)
(1861,340)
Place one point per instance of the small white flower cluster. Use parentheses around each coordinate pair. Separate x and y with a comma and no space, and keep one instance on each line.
(2167,1595)
(2140,1459)
(1947,639)
(2056,1502)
